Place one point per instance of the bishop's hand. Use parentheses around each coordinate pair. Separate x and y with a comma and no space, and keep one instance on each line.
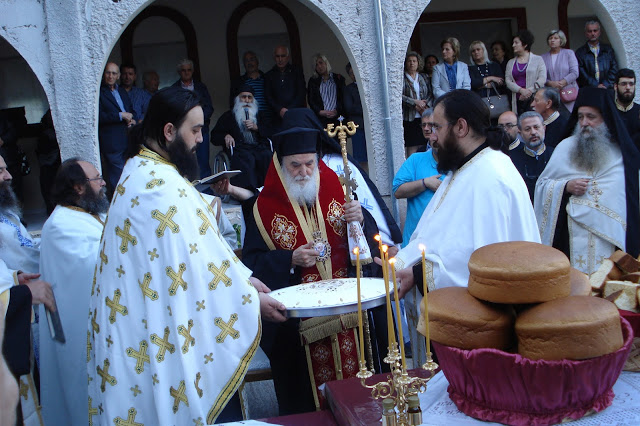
(353,212)
(304,256)
(271,309)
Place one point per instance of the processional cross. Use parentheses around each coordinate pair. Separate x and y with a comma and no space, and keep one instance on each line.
(342,131)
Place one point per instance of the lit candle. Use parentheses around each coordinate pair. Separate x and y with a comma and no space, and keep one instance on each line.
(385,274)
(392,262)
(357,253)
(426,299)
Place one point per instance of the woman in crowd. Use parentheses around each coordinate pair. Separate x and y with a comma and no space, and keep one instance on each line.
(562,68)
(325,91)
(451,73)
(499,54)
(483,73)
(525,73)
(416,98)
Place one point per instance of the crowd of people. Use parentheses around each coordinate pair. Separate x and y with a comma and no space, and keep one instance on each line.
(161,316)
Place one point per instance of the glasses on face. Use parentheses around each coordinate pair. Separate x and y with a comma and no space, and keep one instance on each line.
(99,178)
(435,127)
(507,126)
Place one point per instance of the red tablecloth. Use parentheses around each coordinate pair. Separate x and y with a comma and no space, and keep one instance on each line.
(316,418)
(352,404)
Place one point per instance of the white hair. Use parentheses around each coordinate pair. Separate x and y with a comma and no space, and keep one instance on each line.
(302,189)
(240,110)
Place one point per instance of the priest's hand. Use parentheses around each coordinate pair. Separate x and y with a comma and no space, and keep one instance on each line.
(259,285)
(304,256)
(353,212)
(404,278)
(271,309)
(41,293)
(24,278)
(393,250)
(577,186)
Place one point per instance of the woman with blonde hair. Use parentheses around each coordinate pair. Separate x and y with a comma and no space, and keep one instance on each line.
(451,73)
(484,74)
(562,68)
(325,90)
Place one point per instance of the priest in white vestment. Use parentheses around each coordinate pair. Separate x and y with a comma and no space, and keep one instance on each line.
(69,249)
(482,200)
(174,316)
(586,199)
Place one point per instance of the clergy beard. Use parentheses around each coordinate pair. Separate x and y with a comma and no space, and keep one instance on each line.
(303,194)
(626,98)
(239,113)
(9,203)
(183,158)
(591,150)
(93,202)
(450,155)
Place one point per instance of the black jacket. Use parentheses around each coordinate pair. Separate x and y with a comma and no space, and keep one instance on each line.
(607,66)
(315,98)
(284,89)
(227,125)
(353,106)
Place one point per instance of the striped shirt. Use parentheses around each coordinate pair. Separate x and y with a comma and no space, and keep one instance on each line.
(328,93)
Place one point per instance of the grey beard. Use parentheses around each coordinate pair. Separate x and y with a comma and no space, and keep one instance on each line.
(94,204)
(239,114)
(9,204)
(591,150)
(303,194)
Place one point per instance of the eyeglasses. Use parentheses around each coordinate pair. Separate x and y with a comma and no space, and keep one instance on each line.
(99,178)
(435,127)
(507,126)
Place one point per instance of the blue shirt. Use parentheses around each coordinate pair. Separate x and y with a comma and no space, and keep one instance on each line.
(451,70)
(418,166)
(118,98)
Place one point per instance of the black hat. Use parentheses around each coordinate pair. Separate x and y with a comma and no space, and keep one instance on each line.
(297,140)
(245,88)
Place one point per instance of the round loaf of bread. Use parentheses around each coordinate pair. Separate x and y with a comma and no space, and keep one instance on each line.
(580,285)
(458,319)
(518,272)
(574,327)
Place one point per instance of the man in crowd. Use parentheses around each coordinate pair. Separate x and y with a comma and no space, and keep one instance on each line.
(531,157)
(508,121)
(478,177)
(625,92)
(254,78)
(70,235)
(136,95)
(586,199)
(186,81)
(596,61)
(546,102)
(284,85)
(18,292)
(174,313)
(244,132)
(417,180)
(116,115)
(297,234)
(150,82)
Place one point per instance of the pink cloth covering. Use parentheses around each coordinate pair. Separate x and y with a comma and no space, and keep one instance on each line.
(493,385)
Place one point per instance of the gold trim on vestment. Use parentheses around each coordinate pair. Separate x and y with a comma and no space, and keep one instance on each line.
(314,389)
(154,156)
(236,378)
(317,328)
(81,210)
(261,228)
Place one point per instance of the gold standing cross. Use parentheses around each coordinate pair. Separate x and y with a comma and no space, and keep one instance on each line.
(342,131)
(144,286)
(186,333)
(227,328)
(179,396)
(166,221)
(106,377)
(126,236)
(115,306)
(219,274)
(140,356)
(176,278)
(163,344)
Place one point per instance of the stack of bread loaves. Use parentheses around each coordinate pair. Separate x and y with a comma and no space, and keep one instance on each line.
(526,343)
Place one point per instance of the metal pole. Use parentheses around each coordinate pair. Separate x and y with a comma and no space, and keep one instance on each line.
(386,111)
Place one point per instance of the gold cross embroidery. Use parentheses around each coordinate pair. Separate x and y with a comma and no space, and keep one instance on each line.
(135,391)
(186,333)
(93,411)
(155,379)
(144,321)
(206,223)
(163,344)
(195,383)
(106,377)
(219,274)
(144,286)
(126,236)
(183,193)
(193,248)
(165,221)
(176,278)
(131,419)
(179,396)
(153,254)
(120,271)
(104,259)
(140,356)
(24,390)
(142,163)
(93,283)
(109,341)
(200,305)
(198,421)
(115,306)
(135,202)
(246,299)
(154,182)
(89,346)
(94,324)
(580,261)
(227,328)
(208,358)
